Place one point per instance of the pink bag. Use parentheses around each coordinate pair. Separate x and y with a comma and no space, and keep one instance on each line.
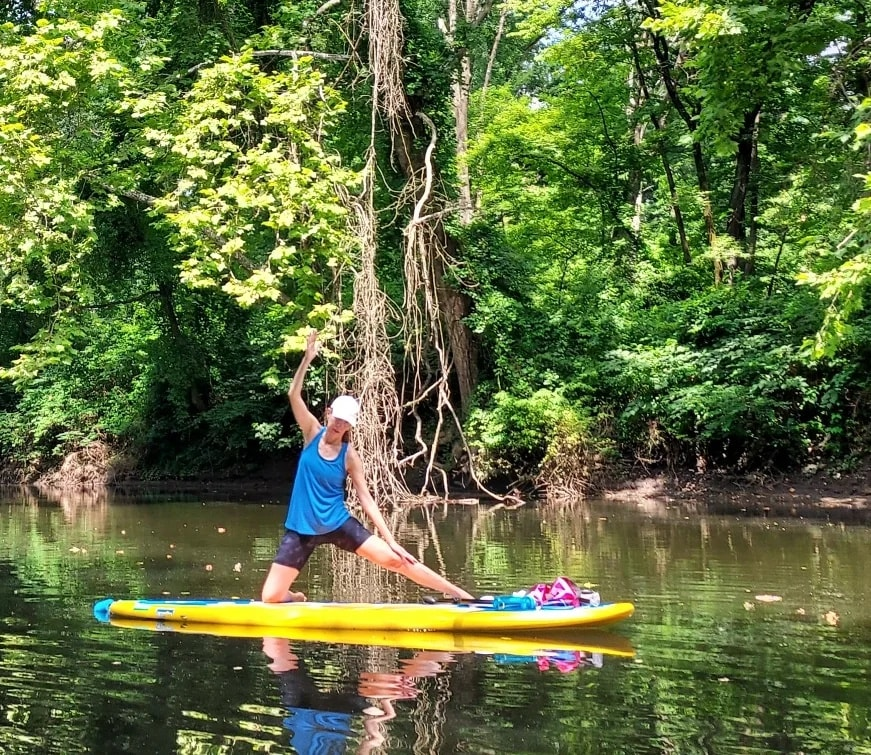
(566,661)
(561,592)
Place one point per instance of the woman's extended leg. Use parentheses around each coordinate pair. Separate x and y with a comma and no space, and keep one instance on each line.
(276,588)
(377,551)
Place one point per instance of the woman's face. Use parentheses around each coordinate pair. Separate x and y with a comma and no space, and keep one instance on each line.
(336,428)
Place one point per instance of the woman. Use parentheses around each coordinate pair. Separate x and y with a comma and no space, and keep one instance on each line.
(317,512)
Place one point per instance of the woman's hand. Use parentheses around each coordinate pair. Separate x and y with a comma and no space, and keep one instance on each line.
(311,345)
(401,552)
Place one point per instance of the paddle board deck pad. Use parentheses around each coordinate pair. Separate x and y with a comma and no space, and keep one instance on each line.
(471,617)
(590,641)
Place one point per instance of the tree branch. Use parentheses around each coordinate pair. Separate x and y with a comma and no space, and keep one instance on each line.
(279,54)
(492,58)
(326,6)
(483,9)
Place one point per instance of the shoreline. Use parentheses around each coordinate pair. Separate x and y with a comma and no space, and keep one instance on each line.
(842,497)
(845,497)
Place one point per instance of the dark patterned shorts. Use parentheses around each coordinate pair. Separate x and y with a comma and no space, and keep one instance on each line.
(295,549)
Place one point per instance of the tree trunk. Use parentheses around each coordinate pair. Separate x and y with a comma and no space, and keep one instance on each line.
(776,263)
(454,305)
(663,57)
(659,124)
(747,136)
(707,208)
(635,184)
(675,205)
(462,89)
(753,221)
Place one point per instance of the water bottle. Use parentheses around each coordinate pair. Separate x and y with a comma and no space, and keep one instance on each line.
(514,603)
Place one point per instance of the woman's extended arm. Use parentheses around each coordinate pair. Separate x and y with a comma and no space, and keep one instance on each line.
(307,421)
(358,479)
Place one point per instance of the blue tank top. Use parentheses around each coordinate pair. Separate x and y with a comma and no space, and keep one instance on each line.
(317,502)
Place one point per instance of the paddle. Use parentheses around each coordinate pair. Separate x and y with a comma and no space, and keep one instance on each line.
(432,600)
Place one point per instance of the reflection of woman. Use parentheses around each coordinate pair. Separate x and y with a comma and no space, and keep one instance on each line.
(317,513)
(321,722)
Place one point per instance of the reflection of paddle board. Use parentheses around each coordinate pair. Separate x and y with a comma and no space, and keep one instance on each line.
(588,641)
(440,617)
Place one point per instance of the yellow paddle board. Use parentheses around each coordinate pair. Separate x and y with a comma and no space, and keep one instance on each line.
(474,617)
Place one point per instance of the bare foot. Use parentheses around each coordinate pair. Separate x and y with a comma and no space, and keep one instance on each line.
(295,597)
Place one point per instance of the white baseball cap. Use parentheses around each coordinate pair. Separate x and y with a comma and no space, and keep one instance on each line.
(346,408)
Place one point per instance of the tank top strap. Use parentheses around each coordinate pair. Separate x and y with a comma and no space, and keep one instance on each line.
(342,454)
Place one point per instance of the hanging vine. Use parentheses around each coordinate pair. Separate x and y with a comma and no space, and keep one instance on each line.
(370,371)
(402,427)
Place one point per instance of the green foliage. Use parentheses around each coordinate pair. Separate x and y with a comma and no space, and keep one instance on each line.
(733,390)
(147,225)
(96,391)
(518,439)
(51,84)
(566,297)
(740,53)
(733,406)
(251,201)
(253,216)
(172,220)
(843,285)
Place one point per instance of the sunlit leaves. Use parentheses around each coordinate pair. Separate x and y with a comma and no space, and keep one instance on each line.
(843,289)
(234,170)
(255,208)
(50,133)
(735,55)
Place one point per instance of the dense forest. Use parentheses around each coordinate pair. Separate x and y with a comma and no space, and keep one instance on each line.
(542,240)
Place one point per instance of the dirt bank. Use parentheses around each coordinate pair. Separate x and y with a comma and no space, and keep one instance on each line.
(814,493)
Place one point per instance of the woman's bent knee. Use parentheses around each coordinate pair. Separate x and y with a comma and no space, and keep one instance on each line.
(273,593)
(277,584)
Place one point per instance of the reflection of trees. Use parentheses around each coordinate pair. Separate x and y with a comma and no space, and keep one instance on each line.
(51,540)
(413,688)
(430,717)
(781,681)
(422,534)
(70,499)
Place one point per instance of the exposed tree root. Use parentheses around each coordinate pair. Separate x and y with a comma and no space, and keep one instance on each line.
(93,466)
(424,401)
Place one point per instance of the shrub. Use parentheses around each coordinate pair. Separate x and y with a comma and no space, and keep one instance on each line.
(541,439)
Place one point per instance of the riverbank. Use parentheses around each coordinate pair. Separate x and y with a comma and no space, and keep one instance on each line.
(813,493)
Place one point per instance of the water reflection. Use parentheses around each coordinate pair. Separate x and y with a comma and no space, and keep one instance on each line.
(327,714)
(68,499)
(322,720)
(394,689)
(587,646)
(717,668)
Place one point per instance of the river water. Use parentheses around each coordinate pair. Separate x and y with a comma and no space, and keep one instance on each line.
(751,635)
